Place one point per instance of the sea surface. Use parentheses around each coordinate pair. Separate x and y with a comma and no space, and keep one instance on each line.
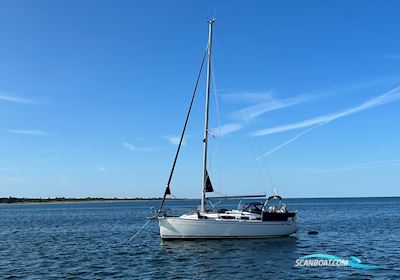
(90,241)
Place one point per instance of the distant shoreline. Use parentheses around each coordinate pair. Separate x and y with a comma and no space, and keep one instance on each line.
(18,200)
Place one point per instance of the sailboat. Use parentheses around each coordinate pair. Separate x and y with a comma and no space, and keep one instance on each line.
(251,220)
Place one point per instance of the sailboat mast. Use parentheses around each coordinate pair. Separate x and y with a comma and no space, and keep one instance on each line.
(205,140)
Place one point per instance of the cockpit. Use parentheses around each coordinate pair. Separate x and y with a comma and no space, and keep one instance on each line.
(252,207)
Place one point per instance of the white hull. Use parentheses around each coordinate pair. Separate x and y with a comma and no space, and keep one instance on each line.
(180,228)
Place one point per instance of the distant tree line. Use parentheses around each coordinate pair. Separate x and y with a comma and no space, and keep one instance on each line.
(63,199)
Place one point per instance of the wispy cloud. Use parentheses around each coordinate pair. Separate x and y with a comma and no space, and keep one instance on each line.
(254,111)
(174,139)
(106,169)
(15,99)
(357,166)
(369,164)
(262,102)
(248,97)
(390,96)
(103,168)
(133,147)
(280,146)
(265,101)
(30,132)
(227,129)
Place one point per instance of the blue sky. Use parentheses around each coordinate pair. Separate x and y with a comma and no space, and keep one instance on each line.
(94,93)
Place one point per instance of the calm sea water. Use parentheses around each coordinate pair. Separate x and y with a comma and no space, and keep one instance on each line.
(90,240)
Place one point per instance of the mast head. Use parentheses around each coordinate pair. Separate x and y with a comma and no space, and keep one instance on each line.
(211,20)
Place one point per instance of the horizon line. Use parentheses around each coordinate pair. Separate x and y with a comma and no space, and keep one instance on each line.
(177,198)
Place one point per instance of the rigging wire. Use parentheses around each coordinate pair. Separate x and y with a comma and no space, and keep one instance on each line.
(215,148)
(130,239)
(215,96)
(167,189)
(249,121)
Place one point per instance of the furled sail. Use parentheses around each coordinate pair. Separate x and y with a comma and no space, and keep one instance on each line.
(209,187)
(167,190)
